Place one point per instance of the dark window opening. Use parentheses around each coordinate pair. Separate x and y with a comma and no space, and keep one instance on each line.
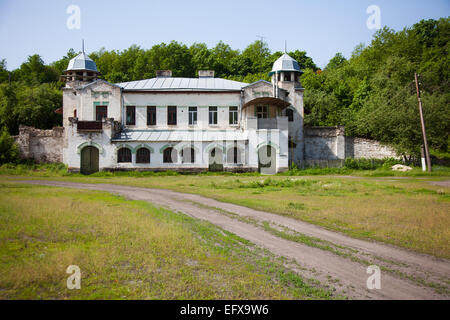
(262,112)
(151,116)
(188,155)
(192,115)
(171,115)
(291,143)
(169,155)
(124,155)
(233,115)
(131,115)
(233,155)
(290,114)
(101,112)
(212,115)
(287,77)
(143,155)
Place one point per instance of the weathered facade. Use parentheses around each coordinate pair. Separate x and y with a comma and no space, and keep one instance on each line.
(190,124)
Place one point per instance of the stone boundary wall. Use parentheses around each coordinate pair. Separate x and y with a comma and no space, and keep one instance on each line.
(40,145)
(324,143)
(330,144)
(364,148)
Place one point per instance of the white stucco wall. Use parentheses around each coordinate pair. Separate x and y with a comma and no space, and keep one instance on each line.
(183,101)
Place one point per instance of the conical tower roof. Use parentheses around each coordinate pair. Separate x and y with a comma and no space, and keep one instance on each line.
(285,63)
(82,62)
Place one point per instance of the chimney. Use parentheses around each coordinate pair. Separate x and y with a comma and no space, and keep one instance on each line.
(206,73)
(163,73)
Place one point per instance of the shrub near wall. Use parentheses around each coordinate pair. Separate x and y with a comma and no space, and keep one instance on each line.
(370,164)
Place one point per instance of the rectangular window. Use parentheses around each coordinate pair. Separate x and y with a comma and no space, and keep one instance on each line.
(171,115)
(131,115)
(212,115)
(151,116)
(262,112)
(233,115)
(192,115)
(101,112)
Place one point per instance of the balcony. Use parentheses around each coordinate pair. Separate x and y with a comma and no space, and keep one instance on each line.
(280,123)
(267,123)
(89,126)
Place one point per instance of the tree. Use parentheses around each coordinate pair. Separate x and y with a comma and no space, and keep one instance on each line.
(61,64)
(34,72)
(4,73)
(9,151)
(373,93)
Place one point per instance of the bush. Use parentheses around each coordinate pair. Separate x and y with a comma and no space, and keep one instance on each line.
(370,164)
(9,152)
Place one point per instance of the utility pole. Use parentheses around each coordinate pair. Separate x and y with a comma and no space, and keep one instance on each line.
(422,122)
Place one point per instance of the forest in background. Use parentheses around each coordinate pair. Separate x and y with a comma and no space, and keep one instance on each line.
(372,93)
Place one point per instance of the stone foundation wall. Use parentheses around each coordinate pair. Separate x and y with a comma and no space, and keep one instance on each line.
(40,145)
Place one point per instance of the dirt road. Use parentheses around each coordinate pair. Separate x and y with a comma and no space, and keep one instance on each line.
(330,257)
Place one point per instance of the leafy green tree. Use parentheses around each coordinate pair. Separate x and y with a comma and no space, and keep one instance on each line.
(61,64)
(8,103)
(9,151)
(4,74)
(34,72)
(36,106)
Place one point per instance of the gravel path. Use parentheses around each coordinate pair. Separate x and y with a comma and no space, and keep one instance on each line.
(340,262)
(444,183)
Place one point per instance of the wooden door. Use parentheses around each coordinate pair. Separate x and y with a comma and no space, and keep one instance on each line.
(89,160)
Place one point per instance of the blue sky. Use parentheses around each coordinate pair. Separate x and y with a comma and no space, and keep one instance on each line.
(320,27)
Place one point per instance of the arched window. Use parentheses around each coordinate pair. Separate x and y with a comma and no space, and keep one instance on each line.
(124,155)
(234,156)
(188,155)
(290,114)
(143,155)
(170,155)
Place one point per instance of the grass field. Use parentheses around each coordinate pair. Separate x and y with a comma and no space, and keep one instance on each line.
(128,250)
(405,210)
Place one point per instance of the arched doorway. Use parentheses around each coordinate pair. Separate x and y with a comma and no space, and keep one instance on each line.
(89,160)
(216,160)
(267,160)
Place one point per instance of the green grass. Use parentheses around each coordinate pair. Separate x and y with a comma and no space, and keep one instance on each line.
(128,250)
(402,209)
(60,170)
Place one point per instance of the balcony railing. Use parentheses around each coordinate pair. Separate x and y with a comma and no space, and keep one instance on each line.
(89,126)
(267,123)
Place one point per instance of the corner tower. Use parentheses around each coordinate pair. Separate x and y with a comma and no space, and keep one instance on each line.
(285,75)
(80,71)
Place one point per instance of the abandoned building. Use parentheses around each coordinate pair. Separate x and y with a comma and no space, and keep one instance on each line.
(189,124)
